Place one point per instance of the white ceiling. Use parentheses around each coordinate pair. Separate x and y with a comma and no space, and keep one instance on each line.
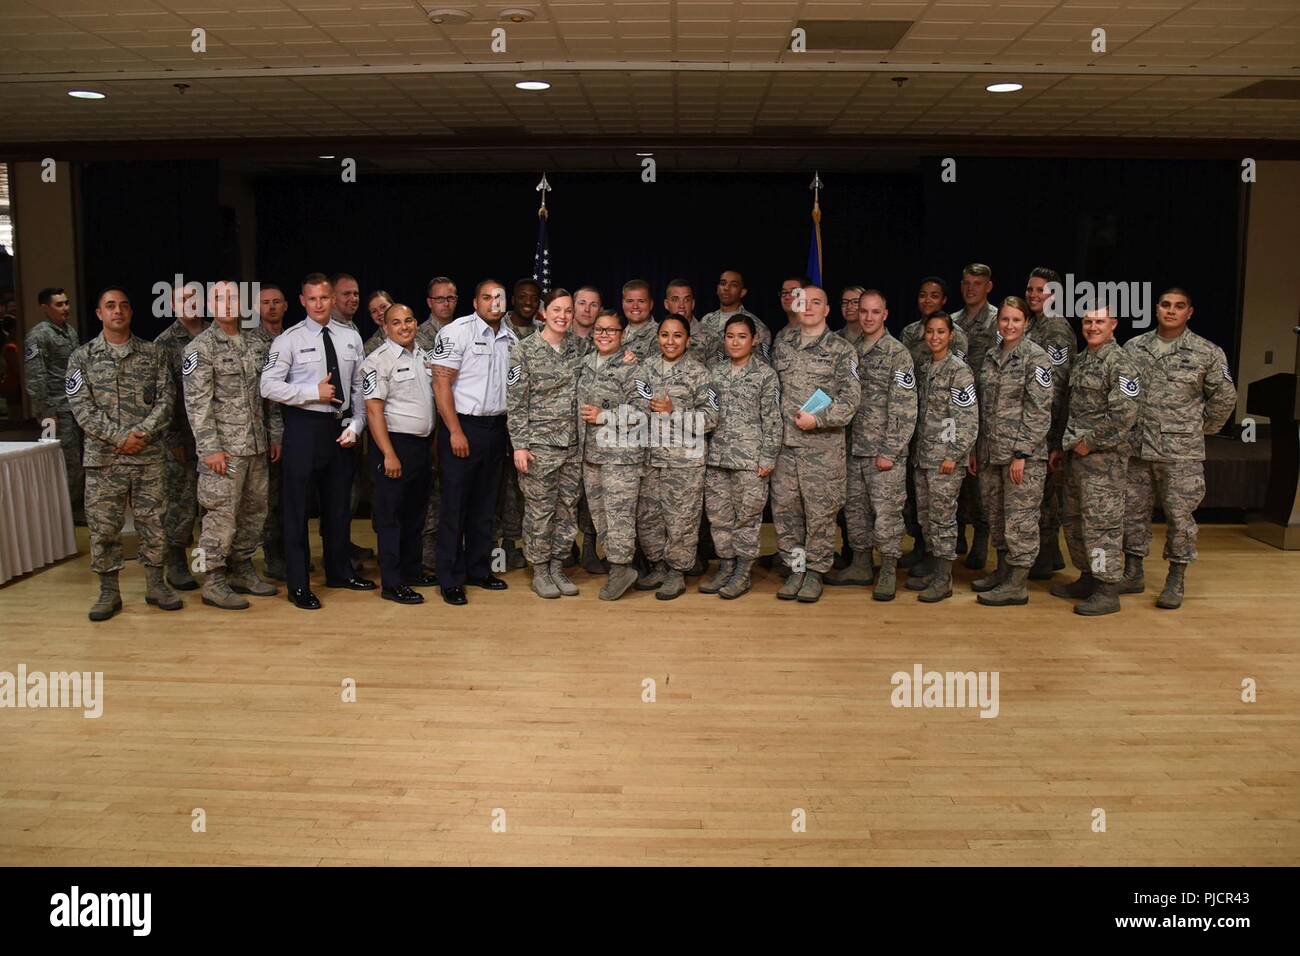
(343,69)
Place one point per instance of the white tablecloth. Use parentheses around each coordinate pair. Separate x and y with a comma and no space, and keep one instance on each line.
(35,510)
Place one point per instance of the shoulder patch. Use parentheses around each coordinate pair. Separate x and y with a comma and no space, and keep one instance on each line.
(72,384)
(765,350)
(271,359)
(369,381)
(34,350)
(999,337)
(961,355)
(441,348)
(1058,356)
(643,389)
(1129,386)
(905,378)
(713,398)
(1043,376)
(853,367)
(1227,375)
(190,363)
(512,377)
(963,397)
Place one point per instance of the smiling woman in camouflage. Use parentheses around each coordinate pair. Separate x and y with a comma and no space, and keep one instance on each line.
(675,390)
(541,409)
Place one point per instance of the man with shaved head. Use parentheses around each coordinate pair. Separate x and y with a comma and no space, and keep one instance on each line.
(808,484)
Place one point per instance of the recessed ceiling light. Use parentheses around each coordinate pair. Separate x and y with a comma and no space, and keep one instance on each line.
(327,157)
(532,85)
(516,15)
(1004,87)
(449,15)
(86,94)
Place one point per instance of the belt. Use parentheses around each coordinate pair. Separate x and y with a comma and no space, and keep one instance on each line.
(483,419)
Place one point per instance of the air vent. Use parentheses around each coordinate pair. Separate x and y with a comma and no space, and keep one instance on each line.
(868,36)
(1266,90)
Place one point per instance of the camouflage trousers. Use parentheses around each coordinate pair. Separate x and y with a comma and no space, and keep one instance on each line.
(734,499)
(873,510)
(69,436)
(936,509)
(510,503)
(550,490)
(1179,486)
(109,488)
(668,514)
(613,493)
(911,522)
(1094,512)
(234,510)
(272,531)
(1013,509)
(808,488)
(1049,516)
(182,499)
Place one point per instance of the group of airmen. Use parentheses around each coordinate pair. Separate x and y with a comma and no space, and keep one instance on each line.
(668,441)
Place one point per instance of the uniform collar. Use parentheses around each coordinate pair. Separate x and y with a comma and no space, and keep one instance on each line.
(103,345)
(876,344)
(1154,336)
(396,350)
(484,331)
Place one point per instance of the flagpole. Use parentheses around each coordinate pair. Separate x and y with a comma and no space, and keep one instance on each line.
(543,187)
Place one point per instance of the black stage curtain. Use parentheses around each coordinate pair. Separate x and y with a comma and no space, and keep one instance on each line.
(1160,221)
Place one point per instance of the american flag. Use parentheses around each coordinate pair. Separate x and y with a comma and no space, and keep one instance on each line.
(542,256)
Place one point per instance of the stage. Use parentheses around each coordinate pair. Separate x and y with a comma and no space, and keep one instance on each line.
(516,730)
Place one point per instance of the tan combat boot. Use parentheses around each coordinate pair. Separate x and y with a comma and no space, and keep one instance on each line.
(621,577)
(543,585)
(1172,595)
(217,592)
(739,582)
(243,579)
(158,593)
(811,590)
(726,567)
(566,587)
(109,601)
(887,581)
(940,585)
(178,570)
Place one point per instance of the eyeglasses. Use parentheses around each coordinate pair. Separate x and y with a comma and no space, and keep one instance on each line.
(443,298)
(788,293)
(848,301)
(599,331)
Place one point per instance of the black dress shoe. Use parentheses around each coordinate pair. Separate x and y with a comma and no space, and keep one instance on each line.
(489,583)
(402,595)
(423,581)
(358,553)
(303,598)
(352,584)
(454,595)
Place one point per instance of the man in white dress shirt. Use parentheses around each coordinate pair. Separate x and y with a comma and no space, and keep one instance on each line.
(314,370)
(470,359)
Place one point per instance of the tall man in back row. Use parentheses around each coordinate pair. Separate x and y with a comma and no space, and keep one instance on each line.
(314,371)
(1187,394)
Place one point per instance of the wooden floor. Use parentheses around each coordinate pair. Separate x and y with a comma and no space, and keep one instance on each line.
(762,707)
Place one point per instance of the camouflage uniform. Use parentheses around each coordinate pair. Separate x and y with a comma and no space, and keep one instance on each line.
(808,485)
(48,347)
(707,337)
(1187,394)
(852,333)
(611,471)
(672,492)
(1103,406)
(913,339)
(375,340)
(642,340)
(947,423)
(112,395)
(882,428)
(1054,335)
(425,337)
(273,416)
(542,410)
(221,377)
(510,502)
(1015,396)
(982,336)
(182,476)
(748,437)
